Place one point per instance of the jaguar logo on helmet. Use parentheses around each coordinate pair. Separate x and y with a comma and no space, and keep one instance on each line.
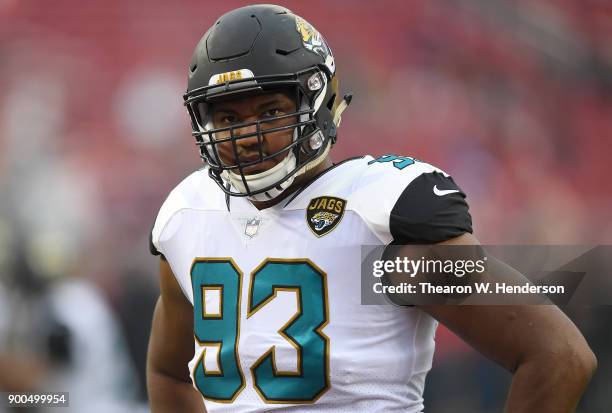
(314,41)
(324,213)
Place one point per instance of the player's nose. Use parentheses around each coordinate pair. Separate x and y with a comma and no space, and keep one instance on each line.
(246,135)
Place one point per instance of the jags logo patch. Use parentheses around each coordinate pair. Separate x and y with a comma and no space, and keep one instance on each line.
(324,213)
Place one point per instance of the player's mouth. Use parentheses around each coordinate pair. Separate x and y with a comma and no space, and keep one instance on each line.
(249,158)
(256,166)
(259,167)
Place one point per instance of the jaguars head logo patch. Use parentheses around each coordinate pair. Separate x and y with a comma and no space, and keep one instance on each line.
(324,214)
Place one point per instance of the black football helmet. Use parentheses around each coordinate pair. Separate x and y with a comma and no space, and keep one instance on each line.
(252,50)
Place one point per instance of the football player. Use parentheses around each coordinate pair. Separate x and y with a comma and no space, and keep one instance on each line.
(260,251)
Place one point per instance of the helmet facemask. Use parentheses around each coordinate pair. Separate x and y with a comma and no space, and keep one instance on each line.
(312,127)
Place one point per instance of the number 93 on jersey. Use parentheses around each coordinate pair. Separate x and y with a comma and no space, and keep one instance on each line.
(217,290)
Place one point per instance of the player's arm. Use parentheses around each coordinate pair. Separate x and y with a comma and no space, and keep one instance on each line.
(170,349)
(550,359)
(548,356)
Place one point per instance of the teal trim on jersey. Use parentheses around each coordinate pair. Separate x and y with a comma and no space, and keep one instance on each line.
(223,385)
(302,331)
(400,162)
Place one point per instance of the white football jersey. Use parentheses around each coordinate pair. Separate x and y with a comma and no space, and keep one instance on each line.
(278,319)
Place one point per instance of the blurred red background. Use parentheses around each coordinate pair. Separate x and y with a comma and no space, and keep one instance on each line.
(514,99)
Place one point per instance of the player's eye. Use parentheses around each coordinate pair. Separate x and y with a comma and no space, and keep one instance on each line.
(270,113)
(227,119)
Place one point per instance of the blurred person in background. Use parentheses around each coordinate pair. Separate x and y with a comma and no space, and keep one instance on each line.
(265,106)
(57,331)
(59,335)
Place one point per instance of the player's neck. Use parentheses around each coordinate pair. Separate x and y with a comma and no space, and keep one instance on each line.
(299,182)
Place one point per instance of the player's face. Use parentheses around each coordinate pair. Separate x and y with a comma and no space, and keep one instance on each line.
(252,109)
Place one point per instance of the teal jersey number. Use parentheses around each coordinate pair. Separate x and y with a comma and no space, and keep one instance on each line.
(219,328)
(400,162)
(222,328)
(303,331)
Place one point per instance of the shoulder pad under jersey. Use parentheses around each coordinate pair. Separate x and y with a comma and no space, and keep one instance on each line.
(197,191)
(404,200)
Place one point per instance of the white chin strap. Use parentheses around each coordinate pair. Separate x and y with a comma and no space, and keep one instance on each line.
(264,179)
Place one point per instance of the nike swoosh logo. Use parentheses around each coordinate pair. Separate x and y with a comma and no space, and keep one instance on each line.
(442,192)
